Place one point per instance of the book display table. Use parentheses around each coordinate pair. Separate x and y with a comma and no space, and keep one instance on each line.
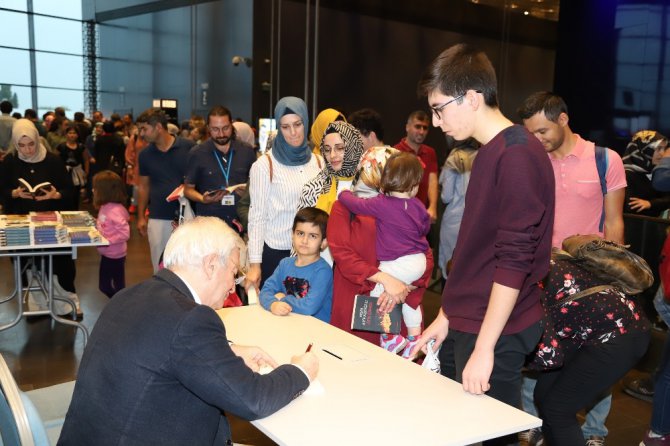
(63,236)
(366,395)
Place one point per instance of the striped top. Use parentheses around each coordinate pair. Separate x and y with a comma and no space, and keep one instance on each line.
(273,205)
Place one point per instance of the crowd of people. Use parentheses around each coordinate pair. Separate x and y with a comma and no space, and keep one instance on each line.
(332,213)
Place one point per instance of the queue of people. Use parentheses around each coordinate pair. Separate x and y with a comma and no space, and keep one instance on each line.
(337,213)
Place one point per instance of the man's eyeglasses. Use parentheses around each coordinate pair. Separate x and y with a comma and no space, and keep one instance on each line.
(241,275)
(437,110)
(224,129)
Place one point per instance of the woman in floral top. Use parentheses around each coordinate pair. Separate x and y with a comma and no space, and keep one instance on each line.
(602,335)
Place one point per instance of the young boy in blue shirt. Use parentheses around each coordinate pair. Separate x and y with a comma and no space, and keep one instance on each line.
(302,284)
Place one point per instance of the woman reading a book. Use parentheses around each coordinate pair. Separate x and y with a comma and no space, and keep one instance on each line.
(351,240)
(32,179)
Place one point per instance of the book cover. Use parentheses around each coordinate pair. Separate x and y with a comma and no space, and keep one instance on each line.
(38,189)
(366,316)
(176,193)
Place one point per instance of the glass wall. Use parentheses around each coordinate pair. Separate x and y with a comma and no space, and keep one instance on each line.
(55,75)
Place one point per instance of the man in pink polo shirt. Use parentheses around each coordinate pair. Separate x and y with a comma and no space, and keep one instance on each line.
(579,207)
(417,126)
(579,199)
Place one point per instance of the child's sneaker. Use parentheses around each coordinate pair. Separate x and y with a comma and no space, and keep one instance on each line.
(392,343)
(411,342)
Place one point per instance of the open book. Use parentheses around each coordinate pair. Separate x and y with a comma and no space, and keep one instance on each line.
(229,190)
(37,190)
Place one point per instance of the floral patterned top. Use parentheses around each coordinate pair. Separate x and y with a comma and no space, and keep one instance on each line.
(593,319)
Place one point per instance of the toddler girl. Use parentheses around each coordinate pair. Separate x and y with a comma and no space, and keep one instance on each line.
(109,196)
(402,223)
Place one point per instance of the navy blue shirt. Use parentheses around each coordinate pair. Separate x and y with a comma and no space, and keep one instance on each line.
(207,170)
(166,171)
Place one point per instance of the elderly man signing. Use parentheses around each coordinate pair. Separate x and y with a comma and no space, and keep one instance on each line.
(159,368)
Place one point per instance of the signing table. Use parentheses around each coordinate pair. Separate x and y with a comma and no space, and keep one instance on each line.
(366,395)
(41,255)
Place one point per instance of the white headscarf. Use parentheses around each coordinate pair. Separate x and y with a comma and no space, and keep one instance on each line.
(244,133)
(25,127)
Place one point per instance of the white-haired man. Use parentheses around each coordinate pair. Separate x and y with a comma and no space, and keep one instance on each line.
(159,369)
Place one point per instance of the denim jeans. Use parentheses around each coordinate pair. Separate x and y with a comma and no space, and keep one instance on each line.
(595,418)
(662,306)
(527,388)
(660,415)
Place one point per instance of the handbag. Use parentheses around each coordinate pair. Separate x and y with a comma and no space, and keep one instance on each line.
(78,175)
(116,166)
(610,262)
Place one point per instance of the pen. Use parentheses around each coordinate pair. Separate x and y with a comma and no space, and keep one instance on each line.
(309,347)
(332,354)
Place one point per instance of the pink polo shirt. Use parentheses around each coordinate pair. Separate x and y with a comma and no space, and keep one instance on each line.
(579,199)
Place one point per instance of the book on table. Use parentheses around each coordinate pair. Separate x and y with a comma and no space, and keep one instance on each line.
(36,190)
(366,316)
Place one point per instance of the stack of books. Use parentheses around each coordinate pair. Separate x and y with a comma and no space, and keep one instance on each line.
(16,234)
(48,228)
(77,218)
(37,217)
(49,233)
(14,219)
(83,234)
(14,230)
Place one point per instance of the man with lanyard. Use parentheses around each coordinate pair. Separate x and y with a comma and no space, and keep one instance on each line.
(215,167)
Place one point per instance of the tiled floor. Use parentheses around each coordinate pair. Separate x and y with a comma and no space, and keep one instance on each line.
(41,353)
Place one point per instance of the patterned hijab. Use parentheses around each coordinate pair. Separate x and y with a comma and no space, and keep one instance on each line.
(319,191)
(283,152)
(25,127)
(321,124)
(370,170)
(640,151)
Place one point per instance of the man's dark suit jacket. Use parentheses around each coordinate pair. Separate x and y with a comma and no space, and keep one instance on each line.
(158,369)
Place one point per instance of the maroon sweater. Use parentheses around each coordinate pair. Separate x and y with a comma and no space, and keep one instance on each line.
(505,234)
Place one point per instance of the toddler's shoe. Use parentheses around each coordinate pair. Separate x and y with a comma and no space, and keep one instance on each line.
(392,343)
(411,342)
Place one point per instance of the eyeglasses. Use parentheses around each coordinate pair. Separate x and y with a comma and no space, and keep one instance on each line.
(437,110)
(224,129)
(327,150)
(241,275)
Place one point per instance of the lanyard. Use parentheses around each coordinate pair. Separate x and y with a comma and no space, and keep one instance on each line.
(225,172)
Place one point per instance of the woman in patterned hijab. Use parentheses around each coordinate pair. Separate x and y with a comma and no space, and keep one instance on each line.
(642,154)
(644,151)
(341,147)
